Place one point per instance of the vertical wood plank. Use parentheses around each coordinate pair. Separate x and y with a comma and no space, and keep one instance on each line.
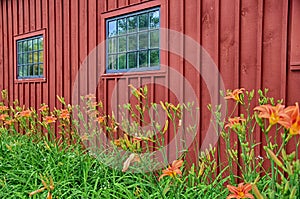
(284,30)
(66,69)
(74,39)
(5,45)
(52,54)
(59,28)
(10,71)
(1,49)
(32,15)
(83,42)
(92,39)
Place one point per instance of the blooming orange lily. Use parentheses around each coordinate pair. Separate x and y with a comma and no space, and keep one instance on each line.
(26,113)
(172,170)
(241,191)
(275,114)
(43,108)
(4,108)
(293,113)
(9,122)
(100,119)
(235,94)
(64,114)
(3,117)
(49,119)
(234,121)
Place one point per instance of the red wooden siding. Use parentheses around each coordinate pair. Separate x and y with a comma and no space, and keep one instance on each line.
(255,44)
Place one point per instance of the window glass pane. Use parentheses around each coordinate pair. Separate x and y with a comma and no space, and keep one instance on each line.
(122,61)
(112,62)
(41,43)
(25,46)
(35,57)
(35,44)
(143,22)
(25,71)
(154,57)
(30,70)
(19,47)
(132,61)
(30,58)
(122,44)
(132,44)
(143,40)
(112,45)
(20,72)
(122,26)
(41,57)
(154,39)
(36,69)
(29,45)
(143,58)
(154,19)
(132,24)
(25,58)
(41,69)
(112,28)
(20,59)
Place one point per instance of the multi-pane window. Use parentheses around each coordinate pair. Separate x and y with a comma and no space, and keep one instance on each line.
(30,57)
(133,41)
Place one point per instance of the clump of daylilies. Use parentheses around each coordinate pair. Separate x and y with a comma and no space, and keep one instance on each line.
(135,132)
(273,120)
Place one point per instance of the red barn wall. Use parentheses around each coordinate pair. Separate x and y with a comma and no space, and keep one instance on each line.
(255,44)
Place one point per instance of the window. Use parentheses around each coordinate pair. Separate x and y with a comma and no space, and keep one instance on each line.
(30,56)
(133,41)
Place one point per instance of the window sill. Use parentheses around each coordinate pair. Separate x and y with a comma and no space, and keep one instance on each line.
(135,73)
(29,80)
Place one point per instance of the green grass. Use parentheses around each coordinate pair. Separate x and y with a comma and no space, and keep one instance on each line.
(76,174)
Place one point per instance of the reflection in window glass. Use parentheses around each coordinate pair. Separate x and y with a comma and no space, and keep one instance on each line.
(121,26)
(143,40)
(143,58)
(132,44)
(133,41)
(132,61)
(112,28)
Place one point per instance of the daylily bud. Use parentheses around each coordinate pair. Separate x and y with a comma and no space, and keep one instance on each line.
(286,187)
(274,157)
(256,192)
(293,192)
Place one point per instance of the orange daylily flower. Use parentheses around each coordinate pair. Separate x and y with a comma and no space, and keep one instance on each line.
(293,113)
(50,119)
(241,191)
(275,114)
(100,119)
(3,117)
(4,108)
(235,94)
(43,108)
(172,170)
(64,114)
(26,113)
(234,121)
(9,122)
